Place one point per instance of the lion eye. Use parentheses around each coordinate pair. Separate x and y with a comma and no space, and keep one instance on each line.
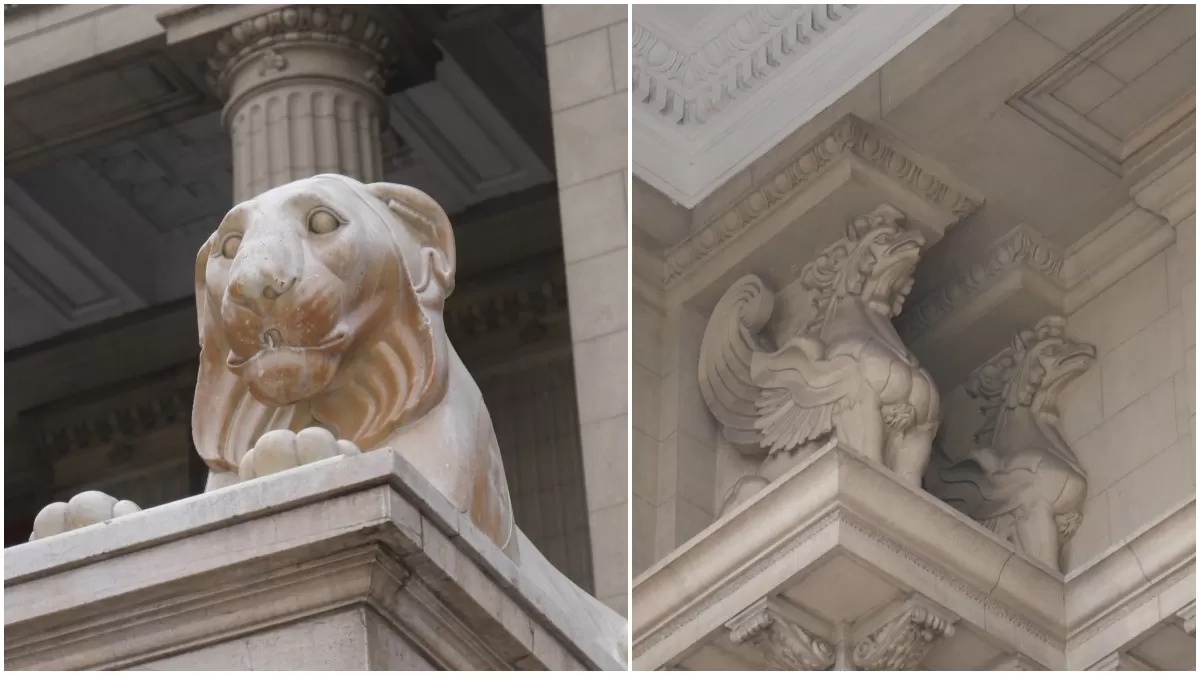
(322,222)
(229,247)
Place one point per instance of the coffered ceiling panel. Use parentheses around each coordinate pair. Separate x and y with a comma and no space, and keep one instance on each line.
(1119,91)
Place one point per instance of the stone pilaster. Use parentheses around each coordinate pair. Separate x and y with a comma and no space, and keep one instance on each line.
(304,94)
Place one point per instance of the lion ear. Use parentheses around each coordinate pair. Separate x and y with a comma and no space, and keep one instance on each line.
(430,221)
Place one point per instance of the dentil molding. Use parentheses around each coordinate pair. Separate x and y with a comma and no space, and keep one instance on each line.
(716,87)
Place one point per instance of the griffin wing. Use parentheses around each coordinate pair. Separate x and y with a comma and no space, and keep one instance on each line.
(730,341)
(801,392)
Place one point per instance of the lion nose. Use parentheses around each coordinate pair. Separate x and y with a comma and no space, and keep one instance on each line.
(273,288)
(253,287)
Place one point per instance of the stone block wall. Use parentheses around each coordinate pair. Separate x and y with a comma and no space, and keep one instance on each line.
(586,57)
(1131,418)
(674,436)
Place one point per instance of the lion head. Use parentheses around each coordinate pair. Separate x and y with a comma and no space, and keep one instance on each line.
(319,303)
(1030,373)
(874,262)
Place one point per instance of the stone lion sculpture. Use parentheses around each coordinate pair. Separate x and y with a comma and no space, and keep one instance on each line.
(845,376)
(321,334)
(320,316)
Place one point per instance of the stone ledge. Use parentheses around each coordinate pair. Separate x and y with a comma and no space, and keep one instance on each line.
(232,562)
(839,501)
(1132,586)
(840,504)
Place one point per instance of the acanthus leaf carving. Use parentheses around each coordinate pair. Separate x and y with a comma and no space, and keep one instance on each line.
(785,645)
(828,380)
(1022,480)
(902,642)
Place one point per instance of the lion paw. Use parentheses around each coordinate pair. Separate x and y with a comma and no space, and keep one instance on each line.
(85,508)
(280,450)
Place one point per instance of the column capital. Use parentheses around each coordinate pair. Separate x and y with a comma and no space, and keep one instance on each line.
(268,37)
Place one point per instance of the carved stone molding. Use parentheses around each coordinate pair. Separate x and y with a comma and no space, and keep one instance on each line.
(717,86)
(786,645)
(686,85)
(1021,480)
(1020,247)
(851,137)
(902,642)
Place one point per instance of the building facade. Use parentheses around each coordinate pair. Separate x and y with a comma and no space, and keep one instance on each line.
(913,337)
(132,130)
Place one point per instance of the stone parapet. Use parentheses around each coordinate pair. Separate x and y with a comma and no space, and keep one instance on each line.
(349,563)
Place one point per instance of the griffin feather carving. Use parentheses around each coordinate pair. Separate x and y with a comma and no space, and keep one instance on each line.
(847,375)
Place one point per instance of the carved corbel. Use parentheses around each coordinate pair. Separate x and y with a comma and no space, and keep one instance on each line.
(1021,480)
(786,645)
(903,642)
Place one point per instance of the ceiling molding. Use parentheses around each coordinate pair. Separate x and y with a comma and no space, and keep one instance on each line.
(715,94)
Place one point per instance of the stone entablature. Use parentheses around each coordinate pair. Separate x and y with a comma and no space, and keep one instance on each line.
(839,505)
(367,535)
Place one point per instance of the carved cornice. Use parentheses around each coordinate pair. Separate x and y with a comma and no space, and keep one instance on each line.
(849,137)
(785,644)
(902,642)
(687,87)
(1022,246)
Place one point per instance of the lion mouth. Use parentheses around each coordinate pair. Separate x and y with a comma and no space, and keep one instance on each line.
(272,340)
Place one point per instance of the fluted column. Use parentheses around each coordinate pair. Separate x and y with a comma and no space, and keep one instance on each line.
(303,92)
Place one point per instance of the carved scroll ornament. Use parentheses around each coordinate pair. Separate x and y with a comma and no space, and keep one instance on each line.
(902,643)
(847,375)
(1023,481)
(785,645)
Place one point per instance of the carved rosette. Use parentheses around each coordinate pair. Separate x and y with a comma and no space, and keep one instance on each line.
(304,94)
(903,642)
(786,645)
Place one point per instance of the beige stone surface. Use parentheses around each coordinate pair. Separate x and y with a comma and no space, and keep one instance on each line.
(1074,128)
(589,95)
(352,532)
(577,73)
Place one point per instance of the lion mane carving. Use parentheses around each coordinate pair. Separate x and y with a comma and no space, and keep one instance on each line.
(320,305)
